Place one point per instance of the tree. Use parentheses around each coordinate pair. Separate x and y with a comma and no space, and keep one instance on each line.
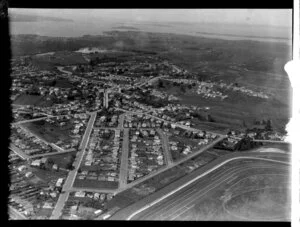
(160,84)
(268,126)
(69,166)
(50,161)
(182,88)
(209,118)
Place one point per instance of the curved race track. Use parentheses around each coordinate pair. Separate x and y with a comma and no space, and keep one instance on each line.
(178,205)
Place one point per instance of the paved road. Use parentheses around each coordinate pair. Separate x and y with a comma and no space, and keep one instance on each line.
(124,160)
(121,121)
(63,197)
(77,77)
(166,147)
(132,210)
(76,189)
(106,100)
(18,151)
(149,81)
(31,120)
(51,153)
(176,124)
(63,71)
(164,168)
(176,68)
(14,214)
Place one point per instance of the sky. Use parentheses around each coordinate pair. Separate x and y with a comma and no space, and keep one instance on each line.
(270,17)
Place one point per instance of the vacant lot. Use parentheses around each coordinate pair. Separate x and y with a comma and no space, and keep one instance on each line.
(49,132)
(63,160)
(95,184)
(44,212)
(63,83)
(48,176)
(35,100)
(28,99)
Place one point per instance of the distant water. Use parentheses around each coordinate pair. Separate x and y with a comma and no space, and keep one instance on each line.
(220,31)
(44,54)
(92,50)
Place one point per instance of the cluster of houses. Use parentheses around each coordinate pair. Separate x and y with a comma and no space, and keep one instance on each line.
(75,208)
(78,122)
(22,83)
(141,121)
(106,121)
(193,140)
(229,143)
(105,157)
(94,195)
(145,154)
(163,95)
(29,198)
(27,142)
(132,105)
(244,90)
(206,89)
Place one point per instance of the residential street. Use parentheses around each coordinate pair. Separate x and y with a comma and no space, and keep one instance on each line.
(170,166)
(18,151)
(166,148)
(63,197)
(124,160)
(177,125)
(14,214)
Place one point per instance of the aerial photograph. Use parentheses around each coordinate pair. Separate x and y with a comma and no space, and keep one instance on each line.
(150,114)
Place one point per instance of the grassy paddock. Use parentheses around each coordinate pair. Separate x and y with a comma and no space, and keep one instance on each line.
(95,184)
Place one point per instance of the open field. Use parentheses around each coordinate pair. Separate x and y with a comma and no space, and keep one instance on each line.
(63,160)
(44,212)
(35,100)
(49,132)
(222,111)
(28,99)
(62,83)
(59,58)
(95,184)
(282,146)
(232,111)
(47,176)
